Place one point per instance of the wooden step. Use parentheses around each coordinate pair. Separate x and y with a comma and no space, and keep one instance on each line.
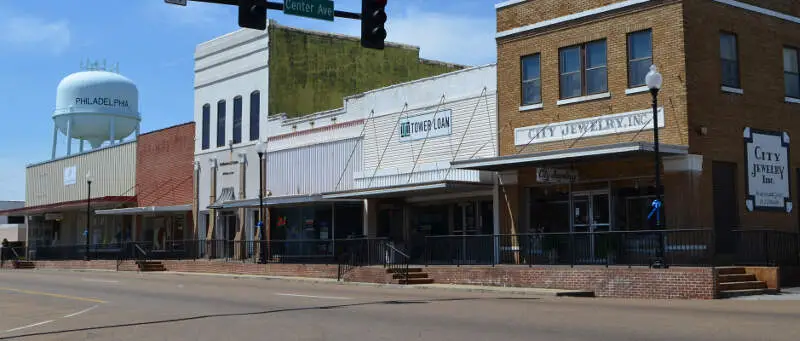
(24,265)
(410,270)
(732,270)
(747,292)
(410,275)
(737,278)
(412,281)
(151,266)
(730,286)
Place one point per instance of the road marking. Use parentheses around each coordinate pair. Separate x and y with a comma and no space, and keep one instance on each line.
(81,312)
(99,280)
(28,326)
(85,299)
(312,296)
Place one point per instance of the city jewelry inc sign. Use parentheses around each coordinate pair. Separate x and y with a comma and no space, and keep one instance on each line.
(423,126)
(767,178)
(588,127)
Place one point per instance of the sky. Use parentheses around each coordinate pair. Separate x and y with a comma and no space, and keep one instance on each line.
(154,42)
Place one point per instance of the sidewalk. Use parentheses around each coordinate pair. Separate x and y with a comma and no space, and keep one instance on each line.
(447,287)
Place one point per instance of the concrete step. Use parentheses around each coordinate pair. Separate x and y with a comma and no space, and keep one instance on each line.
(24,265)
(412,281)
(730,270)
(410,270)
(730,286)
(747,292)
(737,278)
(151,266)
(410,275)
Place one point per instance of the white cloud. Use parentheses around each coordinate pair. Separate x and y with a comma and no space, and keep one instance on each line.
(27,32)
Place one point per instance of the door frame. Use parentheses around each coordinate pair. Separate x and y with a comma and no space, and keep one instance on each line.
(591,226)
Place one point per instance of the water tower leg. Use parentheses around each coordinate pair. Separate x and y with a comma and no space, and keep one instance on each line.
(69,137)
(55,141)
(137,130)
(81,145)
(111,133)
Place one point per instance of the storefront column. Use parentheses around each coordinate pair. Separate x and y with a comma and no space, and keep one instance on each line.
(370,218)
(212,214)
(508,192)
(681,191)
(238,239)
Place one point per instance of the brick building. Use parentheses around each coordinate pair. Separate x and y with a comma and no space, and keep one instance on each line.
(576,131)
(164,187)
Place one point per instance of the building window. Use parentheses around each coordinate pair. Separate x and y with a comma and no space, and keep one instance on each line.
(729,57)
(640,57)
(583,70)
(237,119)
(791,72)
(221,123)
(14,219)
(531,80)
(206,125)
(255,113)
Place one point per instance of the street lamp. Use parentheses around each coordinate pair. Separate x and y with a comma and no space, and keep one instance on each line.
(261,148)
(654,81)
(89,179)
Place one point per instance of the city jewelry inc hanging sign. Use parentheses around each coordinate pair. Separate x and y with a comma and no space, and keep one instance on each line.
(768,174)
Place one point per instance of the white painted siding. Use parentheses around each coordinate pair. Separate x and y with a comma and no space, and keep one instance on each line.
(313,169)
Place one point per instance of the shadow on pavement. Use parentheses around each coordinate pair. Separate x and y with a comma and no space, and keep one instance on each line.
(199,317)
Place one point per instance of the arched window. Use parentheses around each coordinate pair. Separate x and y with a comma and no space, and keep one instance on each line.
(237,119)
(255,113)
(221,123)
(206,126)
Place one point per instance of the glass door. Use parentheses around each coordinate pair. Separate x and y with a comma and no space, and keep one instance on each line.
(591,215)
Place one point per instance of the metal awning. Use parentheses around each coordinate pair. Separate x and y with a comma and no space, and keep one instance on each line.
(439,186)
(71,205)
(145,210)
(275,201)
(226,196)
(568,155)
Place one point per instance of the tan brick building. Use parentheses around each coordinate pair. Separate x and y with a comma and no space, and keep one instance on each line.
(575,116)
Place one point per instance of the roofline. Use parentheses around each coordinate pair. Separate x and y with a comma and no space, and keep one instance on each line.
(111,199)
(166,128)
(66,157)
(274,23)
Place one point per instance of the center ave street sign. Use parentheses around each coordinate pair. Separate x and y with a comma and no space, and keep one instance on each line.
(315,9)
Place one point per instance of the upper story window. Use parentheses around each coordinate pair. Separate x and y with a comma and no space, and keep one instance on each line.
(221,123)
(531,80)
(583,69)
(729,57)
(237,119)
(791,71)
(206,126)
(255,113)
(640,57)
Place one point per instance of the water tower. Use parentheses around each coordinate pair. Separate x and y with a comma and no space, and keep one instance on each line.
(95,105)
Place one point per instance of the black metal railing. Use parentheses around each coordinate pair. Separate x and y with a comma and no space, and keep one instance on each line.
(397,262)
(766,247)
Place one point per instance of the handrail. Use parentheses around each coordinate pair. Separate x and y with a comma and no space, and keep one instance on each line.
(396,267)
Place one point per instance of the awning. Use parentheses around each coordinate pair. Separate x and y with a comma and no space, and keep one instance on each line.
(568,155)
(275,201)
(226,195)
(404,190)
(146,210)
(70,205)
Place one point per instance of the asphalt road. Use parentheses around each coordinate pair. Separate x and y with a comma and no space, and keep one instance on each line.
(62,305)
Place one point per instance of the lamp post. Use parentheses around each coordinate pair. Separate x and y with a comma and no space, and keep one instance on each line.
(89,179)
(654,81)
(261,148)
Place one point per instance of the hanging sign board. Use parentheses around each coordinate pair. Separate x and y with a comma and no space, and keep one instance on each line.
(433,124)
(767,177)
(556,175)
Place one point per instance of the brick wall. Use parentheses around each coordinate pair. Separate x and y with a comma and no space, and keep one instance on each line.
(164,166)
(683,283)
(290,270)
(760,41)
(534,11)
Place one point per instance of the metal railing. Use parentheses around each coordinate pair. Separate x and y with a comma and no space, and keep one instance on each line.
(766,247)
(397,262)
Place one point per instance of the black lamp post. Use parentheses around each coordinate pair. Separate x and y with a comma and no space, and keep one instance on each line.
(654,81)
(89,179)
(261,148)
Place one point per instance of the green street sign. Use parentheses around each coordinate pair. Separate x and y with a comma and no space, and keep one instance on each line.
(315,9)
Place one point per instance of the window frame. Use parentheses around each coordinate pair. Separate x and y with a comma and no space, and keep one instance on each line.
(797,54)
(205,129)
(237,119)
(221,104)
(630,61)
(738,61)
(583,59)
(255,115)
(524,81)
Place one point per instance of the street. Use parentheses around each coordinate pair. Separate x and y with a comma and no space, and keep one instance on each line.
(64,305)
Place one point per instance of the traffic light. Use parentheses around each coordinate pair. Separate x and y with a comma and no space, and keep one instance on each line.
(373,16)
(252,14)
